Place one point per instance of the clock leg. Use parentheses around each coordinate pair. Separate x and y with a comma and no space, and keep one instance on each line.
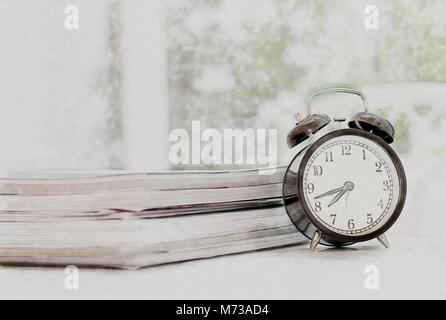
(315,240)
(383,239)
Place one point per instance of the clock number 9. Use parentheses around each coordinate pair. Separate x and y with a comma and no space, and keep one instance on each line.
(310,188)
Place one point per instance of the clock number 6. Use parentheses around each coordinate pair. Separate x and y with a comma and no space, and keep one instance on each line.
(351,224)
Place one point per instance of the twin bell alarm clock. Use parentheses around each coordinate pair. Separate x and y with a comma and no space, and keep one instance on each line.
(348,185)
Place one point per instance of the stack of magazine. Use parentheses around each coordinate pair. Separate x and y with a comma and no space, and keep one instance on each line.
(133,220)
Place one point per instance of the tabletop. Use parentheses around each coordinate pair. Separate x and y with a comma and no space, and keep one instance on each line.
(412,268)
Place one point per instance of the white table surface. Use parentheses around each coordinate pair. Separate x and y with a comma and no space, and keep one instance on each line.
(412,268)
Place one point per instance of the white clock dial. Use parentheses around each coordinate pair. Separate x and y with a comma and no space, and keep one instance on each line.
(351,185)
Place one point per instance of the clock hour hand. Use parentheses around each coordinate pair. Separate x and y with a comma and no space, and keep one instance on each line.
(338,196)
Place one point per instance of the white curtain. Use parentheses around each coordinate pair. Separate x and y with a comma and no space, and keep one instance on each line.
(92,98)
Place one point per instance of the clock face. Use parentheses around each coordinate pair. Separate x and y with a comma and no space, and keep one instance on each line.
(350,185)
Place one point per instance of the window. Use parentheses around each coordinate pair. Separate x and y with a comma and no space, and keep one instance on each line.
(106,95)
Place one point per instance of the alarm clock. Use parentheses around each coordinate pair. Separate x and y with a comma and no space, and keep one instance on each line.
(348,185)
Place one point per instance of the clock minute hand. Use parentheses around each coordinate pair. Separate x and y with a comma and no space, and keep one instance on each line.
(328,193)
(348,186)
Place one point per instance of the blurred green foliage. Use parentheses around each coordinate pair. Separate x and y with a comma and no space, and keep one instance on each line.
(296,46)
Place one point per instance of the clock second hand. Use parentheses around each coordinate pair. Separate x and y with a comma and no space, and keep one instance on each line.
(346,201)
